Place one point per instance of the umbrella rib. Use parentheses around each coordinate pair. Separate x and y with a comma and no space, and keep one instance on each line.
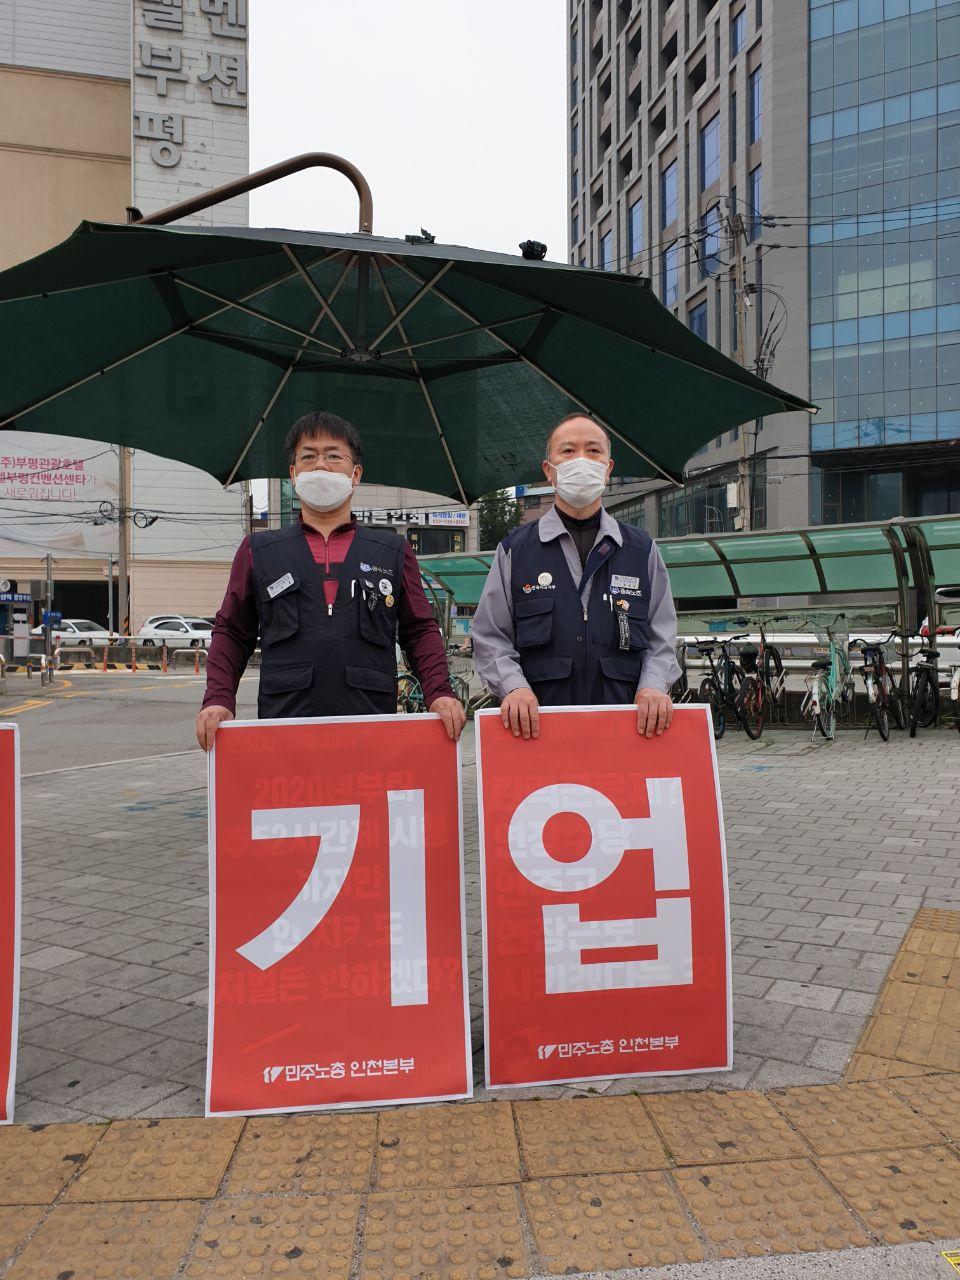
(464,333)
(431,407)
(467,315)
(115,364)
(314,288)
(251,311)
(258,426)
(407,307)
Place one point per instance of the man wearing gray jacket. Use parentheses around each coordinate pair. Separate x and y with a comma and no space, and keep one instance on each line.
(577,608)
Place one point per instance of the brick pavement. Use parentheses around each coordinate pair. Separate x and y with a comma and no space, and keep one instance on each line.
(832,848)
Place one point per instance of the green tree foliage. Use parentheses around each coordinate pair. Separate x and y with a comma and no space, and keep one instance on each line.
(499,512)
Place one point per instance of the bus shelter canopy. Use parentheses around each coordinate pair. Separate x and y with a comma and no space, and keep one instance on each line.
(859,559)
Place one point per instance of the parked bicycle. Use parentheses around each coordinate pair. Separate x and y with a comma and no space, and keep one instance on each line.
(770,667)
(731,692)
(883,696)
(925,688)
(830,684)
(680,690)
(955,694)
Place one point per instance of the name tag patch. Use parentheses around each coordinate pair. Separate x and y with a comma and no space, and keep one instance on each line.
(623,580)
(281,584)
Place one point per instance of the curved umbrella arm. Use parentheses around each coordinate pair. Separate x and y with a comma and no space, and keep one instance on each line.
(261,178)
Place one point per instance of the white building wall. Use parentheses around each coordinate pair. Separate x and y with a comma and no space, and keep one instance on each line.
(91,37)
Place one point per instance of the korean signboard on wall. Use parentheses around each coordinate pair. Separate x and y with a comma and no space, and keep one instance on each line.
(190,94)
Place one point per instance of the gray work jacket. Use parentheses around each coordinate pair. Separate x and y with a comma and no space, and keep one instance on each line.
(496,657)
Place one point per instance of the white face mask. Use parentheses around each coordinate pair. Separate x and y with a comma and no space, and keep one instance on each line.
(580,481)
(323,490)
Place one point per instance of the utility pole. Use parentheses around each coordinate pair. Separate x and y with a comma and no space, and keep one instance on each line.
(110,616)
(738,235)
(123,530)
(48,628)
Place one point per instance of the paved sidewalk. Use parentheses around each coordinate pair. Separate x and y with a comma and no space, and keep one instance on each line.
(832,849)
(477,1191)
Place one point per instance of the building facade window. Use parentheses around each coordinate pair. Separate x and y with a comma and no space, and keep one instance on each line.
(733,126)
(884,261)
(738,32)
(710,153)
(697,320)
(606,251)
(574,139)
(756,201)
(633,513)
(755,105)
(701,505)
(670,276)
(635,228)
(574,228)
(668,195)
(709,255)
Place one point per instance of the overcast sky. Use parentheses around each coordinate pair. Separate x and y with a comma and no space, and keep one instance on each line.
(453,109)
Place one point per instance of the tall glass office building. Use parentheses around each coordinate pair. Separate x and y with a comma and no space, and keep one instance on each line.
(832,127)
(884,230)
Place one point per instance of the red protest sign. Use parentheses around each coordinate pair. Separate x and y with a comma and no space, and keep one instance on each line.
(9,913)
(337,971)
(606,921)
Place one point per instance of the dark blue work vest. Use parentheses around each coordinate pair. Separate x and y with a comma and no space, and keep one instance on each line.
(571,656)
(318,662)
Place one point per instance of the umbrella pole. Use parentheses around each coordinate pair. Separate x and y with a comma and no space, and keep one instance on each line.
(261,178)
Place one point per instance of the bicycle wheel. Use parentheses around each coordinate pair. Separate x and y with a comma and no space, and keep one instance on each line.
(773,676)
(894,702)
(827,715)
(710,693)
(750,706)
(882,719)
(923,712)
(461,689)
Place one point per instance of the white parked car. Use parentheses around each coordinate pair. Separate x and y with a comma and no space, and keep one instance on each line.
(77,631)
(179,630)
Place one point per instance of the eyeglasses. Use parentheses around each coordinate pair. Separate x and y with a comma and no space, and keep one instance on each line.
(335,456)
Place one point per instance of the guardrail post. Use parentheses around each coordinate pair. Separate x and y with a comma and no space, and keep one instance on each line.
(133,656)
(163,657)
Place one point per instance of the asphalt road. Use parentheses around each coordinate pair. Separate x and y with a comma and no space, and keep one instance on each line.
(90,717)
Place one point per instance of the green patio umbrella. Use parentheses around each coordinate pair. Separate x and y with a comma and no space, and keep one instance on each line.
(204,344)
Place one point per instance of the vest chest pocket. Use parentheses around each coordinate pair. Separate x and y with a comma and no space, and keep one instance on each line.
(280,617)
(378,626)
(533,620)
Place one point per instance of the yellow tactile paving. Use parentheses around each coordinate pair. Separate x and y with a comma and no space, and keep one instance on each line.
(933,942)
(779,1206)
(931,970)
(937,1098)
(458,1145)
(36,1163)
(901,1194)
(838,1118)
(305,1153)
(609,1221)
(865,1066)
(109,1242)
(273,1236)
(158,1160)
(462,1234)
(706,1128)
(909,1040)
(921,1003)
(935,918)
(588,1135)
(15,1223)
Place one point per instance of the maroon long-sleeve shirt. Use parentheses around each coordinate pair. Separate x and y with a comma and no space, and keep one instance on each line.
(236,627)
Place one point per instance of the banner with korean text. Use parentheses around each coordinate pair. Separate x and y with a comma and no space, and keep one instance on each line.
(605,911)
(337,931)
(9,913)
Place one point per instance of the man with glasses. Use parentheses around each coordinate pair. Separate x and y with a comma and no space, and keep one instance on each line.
(329,600)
